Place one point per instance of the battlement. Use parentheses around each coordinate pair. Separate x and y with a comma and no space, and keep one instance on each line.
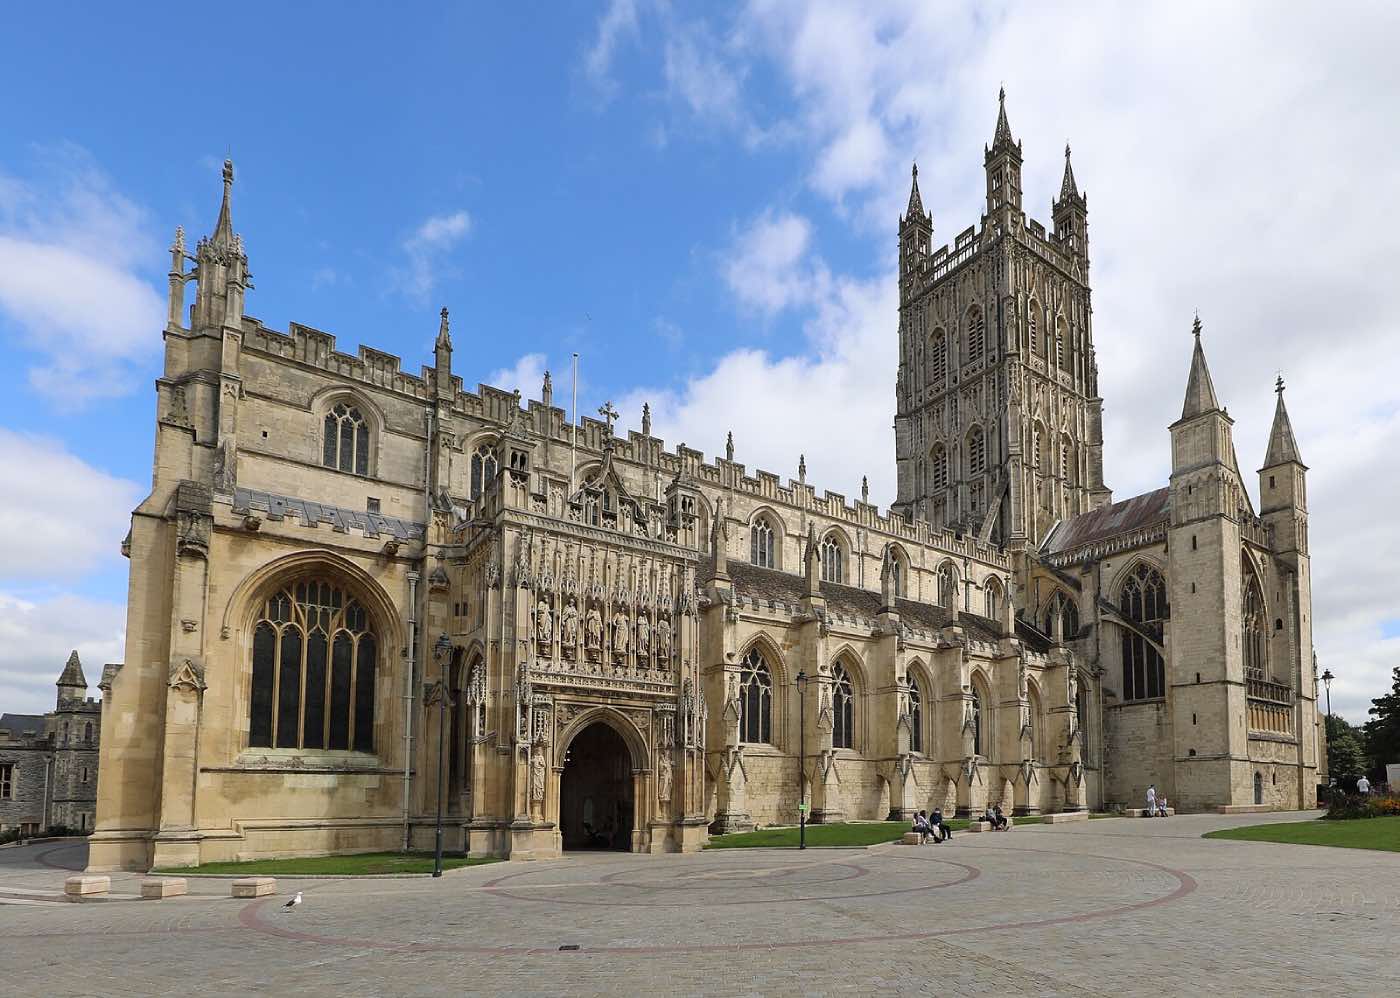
(971,241)
(315,348)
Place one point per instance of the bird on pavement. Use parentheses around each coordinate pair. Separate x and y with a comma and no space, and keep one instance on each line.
(293,902)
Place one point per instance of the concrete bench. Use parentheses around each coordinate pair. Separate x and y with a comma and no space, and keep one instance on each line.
(1142,812)
(254,887)
(77,888)
(1241,808)
(163,887)
(1059,816)
(986,826)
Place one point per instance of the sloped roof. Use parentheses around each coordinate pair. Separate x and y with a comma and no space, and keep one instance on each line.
(852,601)
(1107,521)
(17,724)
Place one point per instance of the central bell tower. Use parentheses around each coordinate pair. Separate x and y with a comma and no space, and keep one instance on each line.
(998,420)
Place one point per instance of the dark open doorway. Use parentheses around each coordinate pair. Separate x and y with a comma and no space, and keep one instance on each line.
(595,791)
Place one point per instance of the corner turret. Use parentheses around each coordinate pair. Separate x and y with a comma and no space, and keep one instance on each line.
(1283,494)
(1003,163)
(1070,213)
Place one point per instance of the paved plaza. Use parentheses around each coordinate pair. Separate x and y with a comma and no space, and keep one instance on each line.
(1119,906)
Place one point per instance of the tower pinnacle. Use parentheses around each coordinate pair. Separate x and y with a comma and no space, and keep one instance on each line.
(223,228)
(1283,448)
(1002,137)
(444,337)
(1200,391)
(1068,188)
(916,203)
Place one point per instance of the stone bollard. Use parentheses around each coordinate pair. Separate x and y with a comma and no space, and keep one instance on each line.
(979,826)
(78,888)
(254,887)
(163,887)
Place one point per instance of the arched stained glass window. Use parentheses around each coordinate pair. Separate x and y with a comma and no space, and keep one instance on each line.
(916,715)
(484,467)
(833,569)
(1254,632)
(843,704)
(1143,601)
(977,747)
(1062,608)
(346,444)
(313,671)
(755,699)
(761,544)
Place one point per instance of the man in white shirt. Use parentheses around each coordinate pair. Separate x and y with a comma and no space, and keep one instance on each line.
(1152,800)
(1363,786)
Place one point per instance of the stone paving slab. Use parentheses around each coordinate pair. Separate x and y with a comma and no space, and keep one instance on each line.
(1085,908)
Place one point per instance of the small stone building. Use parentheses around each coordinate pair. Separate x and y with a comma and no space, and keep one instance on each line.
(48,762)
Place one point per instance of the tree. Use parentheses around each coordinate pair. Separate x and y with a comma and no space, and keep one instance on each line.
(1346,756)
(1383,730)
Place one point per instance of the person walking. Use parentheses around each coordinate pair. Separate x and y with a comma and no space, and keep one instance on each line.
(1363,786)
(1151,801)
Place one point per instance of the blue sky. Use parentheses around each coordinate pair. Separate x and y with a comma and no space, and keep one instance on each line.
(701,201)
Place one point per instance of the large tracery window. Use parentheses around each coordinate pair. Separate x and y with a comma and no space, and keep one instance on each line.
(483,470)
(832,570)
(761,549)
(976,334)
(346,440)
(916,715)
(977,747)
(947,585)
(938,358)
(314,661)
(1255,629)
(1144,602)
(755,700)
(843,703)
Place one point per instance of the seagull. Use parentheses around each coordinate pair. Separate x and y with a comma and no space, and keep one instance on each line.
(292,903)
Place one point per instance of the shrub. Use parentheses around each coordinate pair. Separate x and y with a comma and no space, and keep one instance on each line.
(1385,806)
(1346,807)
(11,836)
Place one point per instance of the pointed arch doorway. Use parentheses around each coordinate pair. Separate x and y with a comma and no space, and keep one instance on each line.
(596,791)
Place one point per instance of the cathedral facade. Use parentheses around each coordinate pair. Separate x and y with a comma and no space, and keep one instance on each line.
(359,595)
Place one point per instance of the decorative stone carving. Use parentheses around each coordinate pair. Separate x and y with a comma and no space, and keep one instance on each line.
(663,642)
(544,623)
(643,637)
(537,776)
(187,674)
(593,629)
(522,703)
(621,634)
(663,777)
(568,627)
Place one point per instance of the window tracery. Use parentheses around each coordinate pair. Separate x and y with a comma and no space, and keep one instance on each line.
(755,699)
(1143,601)
(844,708)
(761,544)
(346,443)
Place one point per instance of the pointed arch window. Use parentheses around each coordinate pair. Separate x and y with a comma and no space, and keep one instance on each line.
(976,451)
(843,704)
(761,544)
(346,444)
(484,467)
(916,715)
(1143,601)
(1062,608)
(938,358)
(938,465)
(313,671)
(992,598)
(947,585)
(1061,346)
(897,567)
(977,747)
(976,335)
(1037,734)
(755,699)
(1254,628)
(832,560)
(1032,326)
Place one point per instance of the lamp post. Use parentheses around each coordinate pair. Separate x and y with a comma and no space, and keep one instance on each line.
(802,759)
(1327,678)
(441,650)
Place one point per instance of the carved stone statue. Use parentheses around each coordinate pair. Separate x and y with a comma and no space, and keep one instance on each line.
(1023,680)
(1073,685)
(643,637)
(663,779)
(593,629)
(544,623)
(537,775)
(568,625)
(621,634)
(663,640)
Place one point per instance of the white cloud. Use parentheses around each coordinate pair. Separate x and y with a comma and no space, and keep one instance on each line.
(426,249)
(1246,186)
(527,375)
(36,637)
(767,267)
(61,517)
(618,22)
(71,248)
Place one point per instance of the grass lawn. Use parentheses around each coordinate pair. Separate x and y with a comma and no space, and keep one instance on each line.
(862,833)
(358,865)
(1362,833)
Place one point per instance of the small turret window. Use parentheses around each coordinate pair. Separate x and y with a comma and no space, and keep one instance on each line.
(346,445)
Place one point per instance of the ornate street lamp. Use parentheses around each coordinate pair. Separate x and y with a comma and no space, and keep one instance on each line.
(441,651)
(1327,678)
(802,759)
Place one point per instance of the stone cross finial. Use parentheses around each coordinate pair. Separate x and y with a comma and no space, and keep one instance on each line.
(1278,384)
(1196,325)
(608,413)
(729,446)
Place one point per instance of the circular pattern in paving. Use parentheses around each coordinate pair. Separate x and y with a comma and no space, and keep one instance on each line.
(601,906)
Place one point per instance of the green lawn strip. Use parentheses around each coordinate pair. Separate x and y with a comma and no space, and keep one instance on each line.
(1361,833)
(355,865)
(853,834)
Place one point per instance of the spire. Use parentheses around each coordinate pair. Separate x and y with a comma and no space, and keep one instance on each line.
(73,674)
(916,203)
(1200,392)
(444,338)
(1003,132)
(223,228)
(1068,189)
(1282,447)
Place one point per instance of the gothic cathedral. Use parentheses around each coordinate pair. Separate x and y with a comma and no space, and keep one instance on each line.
(359,594)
